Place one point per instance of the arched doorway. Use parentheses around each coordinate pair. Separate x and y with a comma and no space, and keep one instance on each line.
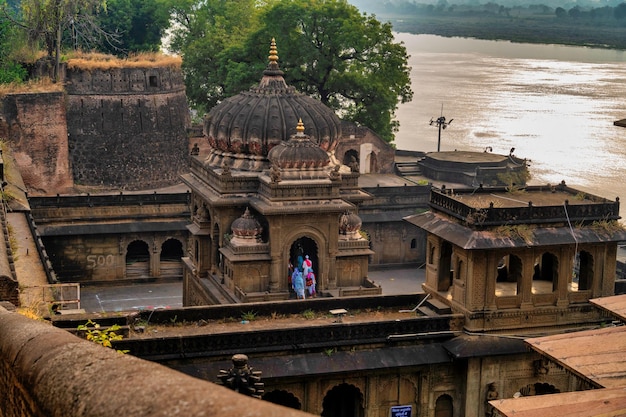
(138,260)
(300,248)
(170,261)
(444,406)
(343,401)
(283,398)
(373,163)
(351,159)
(545,274)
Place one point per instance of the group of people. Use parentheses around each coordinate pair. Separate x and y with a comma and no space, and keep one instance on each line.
(303,278)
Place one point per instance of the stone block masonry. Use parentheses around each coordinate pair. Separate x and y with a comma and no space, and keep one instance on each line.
(46,371)
(127,127)
(34,125)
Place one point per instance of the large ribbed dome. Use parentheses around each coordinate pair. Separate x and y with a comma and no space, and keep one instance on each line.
(254,121)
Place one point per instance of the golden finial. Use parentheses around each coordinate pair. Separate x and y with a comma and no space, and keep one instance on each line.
(273,52)
(300,127)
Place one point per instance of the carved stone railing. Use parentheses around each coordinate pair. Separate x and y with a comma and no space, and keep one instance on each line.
(448,201)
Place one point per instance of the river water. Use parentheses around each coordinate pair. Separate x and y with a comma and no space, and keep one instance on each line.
(554,104)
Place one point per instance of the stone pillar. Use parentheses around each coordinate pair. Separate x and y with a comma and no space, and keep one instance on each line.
(330,272)
(276,273)
(525,287)
(565,272)
(473,403)
(211,264)
(155,259)
(490,273)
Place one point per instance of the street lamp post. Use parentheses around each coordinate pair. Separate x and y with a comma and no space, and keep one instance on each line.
(441,124)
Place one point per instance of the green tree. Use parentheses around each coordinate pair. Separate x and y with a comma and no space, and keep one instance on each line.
(204,35)
(138,25)
(10,69)
(349,60)
(327,49)
(44,22)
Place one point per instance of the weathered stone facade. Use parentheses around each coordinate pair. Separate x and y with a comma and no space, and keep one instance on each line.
(35,127)
(510,266)
(109,238)
(370,152)
(127,127)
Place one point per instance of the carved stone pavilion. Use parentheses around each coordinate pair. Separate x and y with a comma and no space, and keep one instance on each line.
(526,261)
(268,191)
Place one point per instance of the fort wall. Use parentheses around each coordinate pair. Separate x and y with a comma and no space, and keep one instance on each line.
(46,371)
(35,127)
(127,127)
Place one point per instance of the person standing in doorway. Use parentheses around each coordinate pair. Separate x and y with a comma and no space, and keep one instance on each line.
(298,284)
(307,266)
(309,282)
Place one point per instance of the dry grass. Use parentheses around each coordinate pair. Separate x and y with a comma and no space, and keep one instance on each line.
(98,61)
(42,85)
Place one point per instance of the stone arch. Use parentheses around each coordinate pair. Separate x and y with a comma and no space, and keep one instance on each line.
(317,245)
(372,163)
(284,398)
(444,406)
(582,278)
(138,259)
(343,400)
(170,259)
(545,276)
(351,159)
(509,275)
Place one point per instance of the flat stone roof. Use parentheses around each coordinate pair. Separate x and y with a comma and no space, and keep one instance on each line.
(538,196)
(467,157)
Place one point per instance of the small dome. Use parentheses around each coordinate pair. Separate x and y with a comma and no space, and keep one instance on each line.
(246,227)
(298,152)
(349,226)
(255,121)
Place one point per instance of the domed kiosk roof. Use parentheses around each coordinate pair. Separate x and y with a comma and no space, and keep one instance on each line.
(253,122)
(298,152)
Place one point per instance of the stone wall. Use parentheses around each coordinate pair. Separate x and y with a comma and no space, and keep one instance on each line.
(45,371)
(375,156)
(88,238)
(127,127)
(35,127)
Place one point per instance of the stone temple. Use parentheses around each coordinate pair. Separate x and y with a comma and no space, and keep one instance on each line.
(270,191)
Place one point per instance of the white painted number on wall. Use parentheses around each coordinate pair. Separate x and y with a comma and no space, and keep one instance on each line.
(98,261)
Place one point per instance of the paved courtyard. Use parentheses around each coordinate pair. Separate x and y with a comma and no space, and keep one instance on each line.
(150,296)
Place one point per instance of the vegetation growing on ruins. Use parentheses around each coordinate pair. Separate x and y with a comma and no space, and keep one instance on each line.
(99,61)
(103,336)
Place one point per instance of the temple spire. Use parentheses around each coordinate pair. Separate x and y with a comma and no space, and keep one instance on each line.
(272,67)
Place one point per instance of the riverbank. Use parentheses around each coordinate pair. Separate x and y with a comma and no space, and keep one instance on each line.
(527,30)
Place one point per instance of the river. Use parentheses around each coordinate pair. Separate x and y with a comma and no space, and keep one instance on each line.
(554,104)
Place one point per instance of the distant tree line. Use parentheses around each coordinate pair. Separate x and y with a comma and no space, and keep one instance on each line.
(600,23)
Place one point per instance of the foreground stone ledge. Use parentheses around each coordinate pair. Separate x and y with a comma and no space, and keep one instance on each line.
(45,371)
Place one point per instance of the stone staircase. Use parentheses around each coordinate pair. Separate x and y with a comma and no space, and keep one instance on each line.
(432,307)
(408,168)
